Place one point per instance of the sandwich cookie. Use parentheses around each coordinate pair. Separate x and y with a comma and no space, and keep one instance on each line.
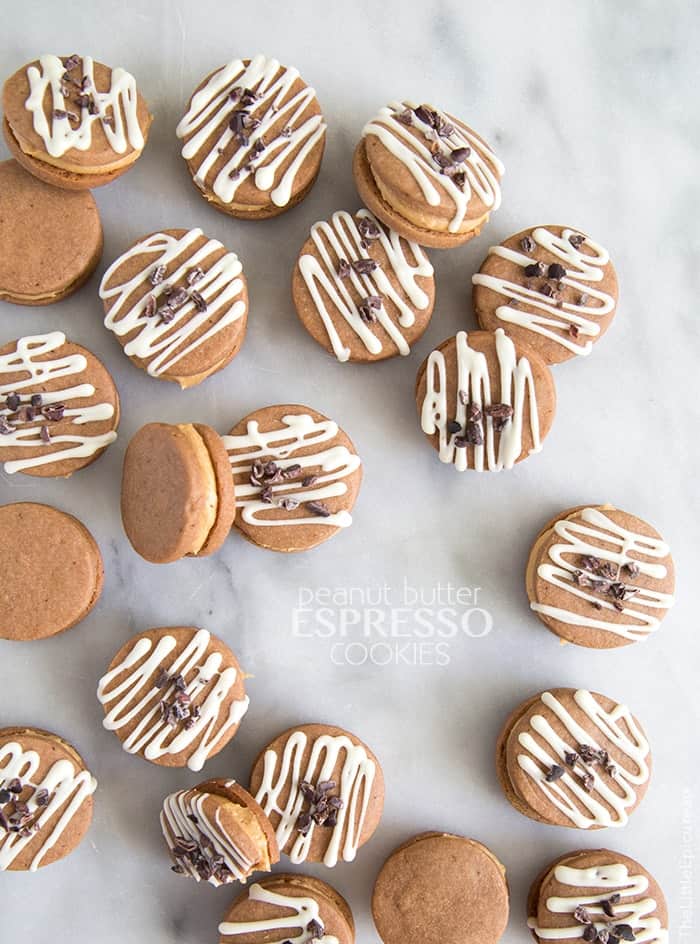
(426,174)
(296,475)
(484,402)
(45,798)
(253,138)
(52,572)
(73,122)
(363,292)
(288,909)
(551,287)
(600,577)
(50,239)
(216,832)
(441,889)
(59,407)
(597,896)
(177,302)
(177,492)
(322,789)
(574,758)
(175,696)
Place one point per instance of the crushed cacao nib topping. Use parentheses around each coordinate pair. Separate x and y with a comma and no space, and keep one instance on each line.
(64,113)
(201,857)
(151,306)
(570,757)
(453,427)
(158,274)
(527,244)
(315,930)
(199,300)
(474,412)
(367,228)
(500,413)
(549,291)
(288,504)
(44,434)
(71,62)
(574,331)
(318,508)
(368,308)
(194,275)
(405,116)
(36,399)
(364,266)
(474,434)
(12,401)
(343,268)
(5,428)
(607,904)
(576,240)
(631,568)
(286,132)
(309,480)
(554,773)
(463,397)
(460,154)
(583,298)
(556,271)
(535,269)
(177,298)
(5,796)
(291,471)
(266,495)
(322,806)
(582,915)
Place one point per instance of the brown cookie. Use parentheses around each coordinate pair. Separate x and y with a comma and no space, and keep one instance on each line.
(177,302)
(217,833)
(177,492)
(600,577)
(296,475)
(441,889)
(59,407)
(293,907)
(573,758)
(551,287)
(50,240)
(584,894)
(426,174)
(474,418)
(174,695)
(323,790)
(362,291)
(52,571)
(253,138)
(73,122)
(45,798)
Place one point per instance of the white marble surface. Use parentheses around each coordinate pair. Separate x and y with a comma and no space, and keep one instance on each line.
(593,108)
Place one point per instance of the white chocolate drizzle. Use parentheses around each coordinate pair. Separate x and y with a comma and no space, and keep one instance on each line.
(306,912)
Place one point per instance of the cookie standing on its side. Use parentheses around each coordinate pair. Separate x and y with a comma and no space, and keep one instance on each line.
(73,122)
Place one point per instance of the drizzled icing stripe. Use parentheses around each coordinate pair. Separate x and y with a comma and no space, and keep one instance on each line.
(163,344)
(355,789)
(547,319)
(136,694)
(67,791)
(606,880)
(305,912)
(27,357)
(517,389)
(300,430)
(341,239)
(209,114)
(604,805)
(116,110)
(619,546)
(482,168)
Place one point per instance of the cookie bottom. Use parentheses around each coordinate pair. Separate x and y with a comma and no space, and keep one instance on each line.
(267,212)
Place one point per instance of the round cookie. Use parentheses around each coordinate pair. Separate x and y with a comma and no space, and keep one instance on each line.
(52,572)
(596,895)
(177,302)
(177,495)
(600,577)
(296,476)
(441,889)
(573,758)
(284,907)
(253,138)
(174,695)
(323,790)
(217,833)
(73,122)
(485,402)
(50,240)
(45,798)
(426,174)
(59,407)
(552,287)
(362,291)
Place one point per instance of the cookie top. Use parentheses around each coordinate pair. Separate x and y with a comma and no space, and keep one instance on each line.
(323,790)
(296,475)
(174,695)
(485,402)
(600,577)
(284,908)
(59,407)
(45,798)
(177,302)
(575,758)
(363,292)
(76,113)
(554,288)
(253,134)
(52,571)
(217,833)
(584,894)
(441,889)
(50,239)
